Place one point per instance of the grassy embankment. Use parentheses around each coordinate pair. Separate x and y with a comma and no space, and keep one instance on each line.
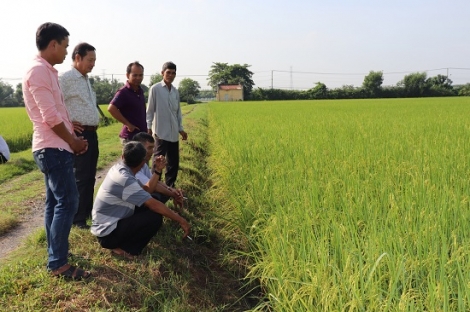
(172,275)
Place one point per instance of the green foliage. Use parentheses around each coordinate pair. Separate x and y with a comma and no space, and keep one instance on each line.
(155,79)
(372,84)
(415,85)
(320,91)
(7,95)
(346,92)
(18,95)
(223,73)
(465,90)
(104,88)
(260,94)
(440,85)
(188,90)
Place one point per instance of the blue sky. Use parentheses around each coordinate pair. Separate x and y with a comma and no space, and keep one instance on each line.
(289,44)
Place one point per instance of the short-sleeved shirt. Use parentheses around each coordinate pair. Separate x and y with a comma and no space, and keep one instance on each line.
(144,174)
(116,199)
(79,97)
(131,104)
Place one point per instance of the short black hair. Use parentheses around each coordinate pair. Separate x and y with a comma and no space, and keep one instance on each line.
(143,137)
(82,49)
(48,32)
(136,63)
(133,153)
(168,65)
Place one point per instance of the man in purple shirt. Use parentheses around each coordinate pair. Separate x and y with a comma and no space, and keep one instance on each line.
(54,145)
(128,104)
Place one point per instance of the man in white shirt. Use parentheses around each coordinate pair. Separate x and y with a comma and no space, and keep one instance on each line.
(165,121)
(80,100)
(145,173)
(4,151)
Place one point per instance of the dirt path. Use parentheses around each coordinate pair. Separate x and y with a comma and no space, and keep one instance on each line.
(33,220)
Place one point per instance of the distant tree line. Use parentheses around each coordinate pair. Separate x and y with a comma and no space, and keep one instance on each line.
(412,85)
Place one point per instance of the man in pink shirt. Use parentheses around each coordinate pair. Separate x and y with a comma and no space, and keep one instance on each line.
(54,145)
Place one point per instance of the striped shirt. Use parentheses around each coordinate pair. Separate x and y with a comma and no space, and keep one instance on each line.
(116,199)
(79,97)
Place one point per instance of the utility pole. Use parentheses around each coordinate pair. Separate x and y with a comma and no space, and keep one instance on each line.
(272,72)
(291,83)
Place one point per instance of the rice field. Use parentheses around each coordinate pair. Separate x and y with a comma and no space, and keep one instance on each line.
(352,205)
(17,129)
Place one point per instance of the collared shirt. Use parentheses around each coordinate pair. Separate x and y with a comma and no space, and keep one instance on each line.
(164,112)
(131,104)
(45,105)
(116,199)
(79,97)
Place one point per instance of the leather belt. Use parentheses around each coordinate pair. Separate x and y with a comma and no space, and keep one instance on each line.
(90,128)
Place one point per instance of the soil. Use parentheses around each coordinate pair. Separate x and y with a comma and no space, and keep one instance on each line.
(33,220)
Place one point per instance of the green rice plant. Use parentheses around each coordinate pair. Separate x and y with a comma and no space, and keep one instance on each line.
(358,205)
(16,128)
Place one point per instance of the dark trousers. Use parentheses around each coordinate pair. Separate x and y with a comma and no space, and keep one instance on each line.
(172,153)
(132,234)
(85,172)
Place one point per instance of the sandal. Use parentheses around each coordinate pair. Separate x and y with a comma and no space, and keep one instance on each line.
(73,273)
(119,253)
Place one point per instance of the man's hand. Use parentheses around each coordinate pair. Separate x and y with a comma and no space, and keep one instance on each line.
(131,128)
(77,127)
(178,198)
(184,135)
(79,145)
(185,226)
(159,162)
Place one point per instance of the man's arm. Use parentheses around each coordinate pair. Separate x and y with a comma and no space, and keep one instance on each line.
(78,144)
(181,131)
(116,113)
(152,103)
(41,90)
(160,208)
(152,185)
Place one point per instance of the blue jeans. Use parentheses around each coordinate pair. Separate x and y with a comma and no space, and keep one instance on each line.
(61,201)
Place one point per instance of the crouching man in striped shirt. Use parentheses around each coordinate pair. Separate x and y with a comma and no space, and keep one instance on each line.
(125,216)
